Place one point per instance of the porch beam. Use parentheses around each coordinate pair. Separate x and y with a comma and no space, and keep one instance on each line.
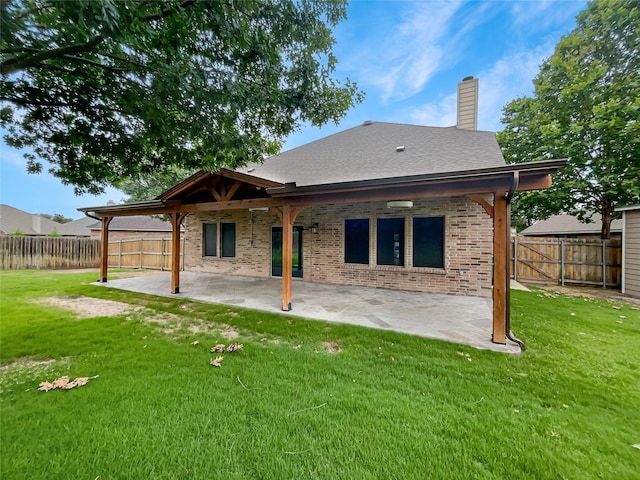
(104,248)
(176,220)
(500,268)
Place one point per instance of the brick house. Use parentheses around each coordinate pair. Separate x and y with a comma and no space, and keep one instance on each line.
(381,205)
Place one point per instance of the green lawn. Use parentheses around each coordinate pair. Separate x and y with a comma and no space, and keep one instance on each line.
(289,406)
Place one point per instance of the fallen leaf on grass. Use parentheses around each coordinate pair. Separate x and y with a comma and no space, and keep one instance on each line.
(637,445)
(217,361)
(196,342)
(555,434)
(64,383)
(218,348)
(234,347)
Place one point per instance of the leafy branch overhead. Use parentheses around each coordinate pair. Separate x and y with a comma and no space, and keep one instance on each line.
(586,108)
(104,89)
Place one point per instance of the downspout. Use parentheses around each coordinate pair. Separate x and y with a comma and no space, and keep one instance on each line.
(509,196)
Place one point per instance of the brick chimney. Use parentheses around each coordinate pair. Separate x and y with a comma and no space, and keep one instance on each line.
(468,104)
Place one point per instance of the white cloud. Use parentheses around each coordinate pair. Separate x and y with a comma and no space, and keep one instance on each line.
(439,114)
(507,79)
(12,157)
(404,62)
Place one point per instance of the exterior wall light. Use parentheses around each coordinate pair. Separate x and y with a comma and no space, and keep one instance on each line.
(400,204)
(314,228)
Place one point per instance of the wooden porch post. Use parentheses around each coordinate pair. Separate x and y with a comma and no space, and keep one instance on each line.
(500,267)
(176,220)
(104,248)
(287,252)
(287,215)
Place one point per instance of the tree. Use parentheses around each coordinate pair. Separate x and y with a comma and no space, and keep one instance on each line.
(111,89)
(58,217)
(586,108)
(154,184)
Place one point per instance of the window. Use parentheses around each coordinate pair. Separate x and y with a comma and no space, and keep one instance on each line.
(228,239)
(428,242)
(356,241)
(210,239)
(390,241)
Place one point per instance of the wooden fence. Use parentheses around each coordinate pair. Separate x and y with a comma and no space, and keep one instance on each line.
(23,252)
(566,261)
(151,253)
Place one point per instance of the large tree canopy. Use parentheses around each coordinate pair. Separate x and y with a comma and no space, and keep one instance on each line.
(112,89)
(586,108)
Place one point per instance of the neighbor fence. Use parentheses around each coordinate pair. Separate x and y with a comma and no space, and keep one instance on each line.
(23,252)
(567,261)
(150,253)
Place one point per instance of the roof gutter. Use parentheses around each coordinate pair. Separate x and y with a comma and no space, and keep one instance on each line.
(548,166)
(509,197)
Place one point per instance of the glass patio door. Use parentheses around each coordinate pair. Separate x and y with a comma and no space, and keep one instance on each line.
(276,252)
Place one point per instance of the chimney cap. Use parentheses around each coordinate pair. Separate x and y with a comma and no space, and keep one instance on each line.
(467,78)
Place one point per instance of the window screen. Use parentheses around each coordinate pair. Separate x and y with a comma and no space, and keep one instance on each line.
(356,241)
(390,241)
(209,239)
(428,242)
(228,239)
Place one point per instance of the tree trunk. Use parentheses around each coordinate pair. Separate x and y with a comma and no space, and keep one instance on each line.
(607,217)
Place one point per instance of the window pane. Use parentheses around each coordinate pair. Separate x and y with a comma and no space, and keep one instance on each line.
(210,239)
(356,241)
(228,239)
(428,242)
(390,241)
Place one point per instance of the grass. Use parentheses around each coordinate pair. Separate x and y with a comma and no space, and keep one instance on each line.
(288,406)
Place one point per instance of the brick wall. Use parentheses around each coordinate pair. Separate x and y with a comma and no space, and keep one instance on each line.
(468,247)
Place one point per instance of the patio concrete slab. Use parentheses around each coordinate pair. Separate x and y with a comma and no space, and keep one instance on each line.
(465,320)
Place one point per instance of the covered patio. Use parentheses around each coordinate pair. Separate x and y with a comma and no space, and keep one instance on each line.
(458,319)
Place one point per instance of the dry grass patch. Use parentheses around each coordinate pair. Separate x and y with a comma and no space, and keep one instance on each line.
(88,307)
(332,347)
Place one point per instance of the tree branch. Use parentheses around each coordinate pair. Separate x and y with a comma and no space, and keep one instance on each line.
(14,65)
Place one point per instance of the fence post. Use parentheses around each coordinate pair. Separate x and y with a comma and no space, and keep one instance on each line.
(162,254)
(120,253)
(515,258)
(141,254)
(562,261)
(604,264)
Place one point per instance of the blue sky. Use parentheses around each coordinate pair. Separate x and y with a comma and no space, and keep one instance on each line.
(407,56)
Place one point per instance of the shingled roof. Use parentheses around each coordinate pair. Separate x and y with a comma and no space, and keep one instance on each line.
(568,225)
(13,219)
(379,150)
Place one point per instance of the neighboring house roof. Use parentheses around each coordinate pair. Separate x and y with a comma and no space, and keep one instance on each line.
(569,225)
(628,208)
(136,223)
(77,228)
(380,150)
(13,219)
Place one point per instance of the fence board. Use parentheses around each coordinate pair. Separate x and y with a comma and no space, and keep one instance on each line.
(578,261)
(151,253)
(24,252)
